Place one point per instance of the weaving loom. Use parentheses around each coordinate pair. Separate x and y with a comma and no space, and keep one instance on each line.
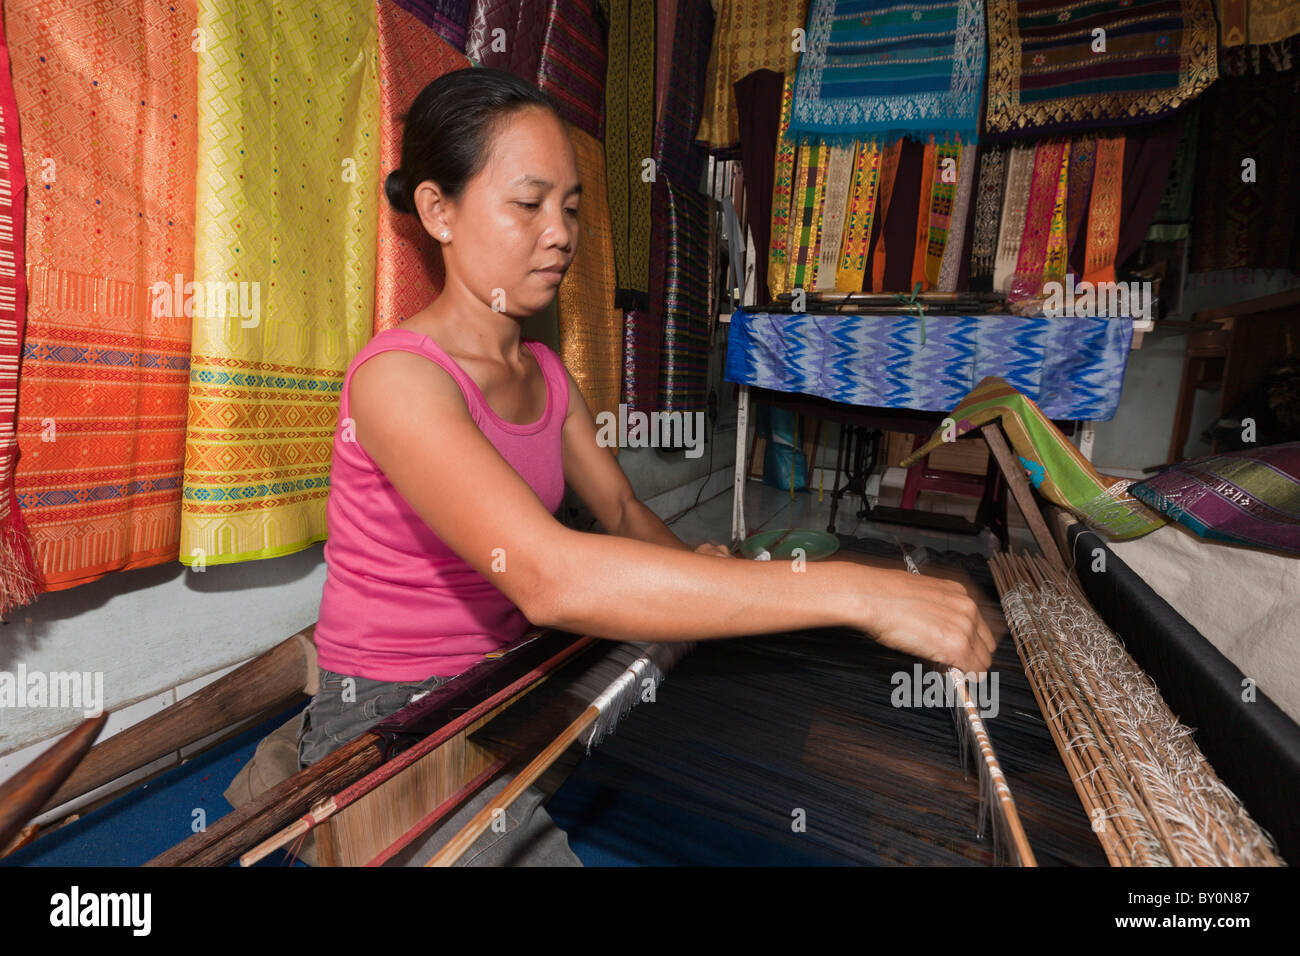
(744,733)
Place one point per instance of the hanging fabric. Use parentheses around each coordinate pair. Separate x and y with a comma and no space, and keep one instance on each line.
(408,268)
(1103,211)
(750,35)
(947,173)
(1083,160)
(1044,190)
(758,110)
(107,101)
(924,207)
(839,176)
(1049,73)
(954,250)
(876,70)
(859,218)
(988,210)
(779,267)
(809,194)
(591,326)
(629,139)
(890,161)
(1015,207)
(282,89)
(20,575)
(449,19)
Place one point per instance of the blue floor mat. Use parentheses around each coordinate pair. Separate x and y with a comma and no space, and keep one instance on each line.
(153,818)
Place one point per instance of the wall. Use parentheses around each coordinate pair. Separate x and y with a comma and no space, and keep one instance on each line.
(1138,436)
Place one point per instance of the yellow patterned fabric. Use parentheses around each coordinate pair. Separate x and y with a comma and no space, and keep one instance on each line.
(591,326)
(1268,21)
(287,192)
(748,35)
(787,148)
(857,225)
(1054,267)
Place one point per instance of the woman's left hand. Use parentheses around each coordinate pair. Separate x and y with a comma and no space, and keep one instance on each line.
(717,549)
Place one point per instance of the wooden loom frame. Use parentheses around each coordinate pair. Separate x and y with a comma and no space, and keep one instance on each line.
(430,779)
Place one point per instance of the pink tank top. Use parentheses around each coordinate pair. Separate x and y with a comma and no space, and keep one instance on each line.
(398,603)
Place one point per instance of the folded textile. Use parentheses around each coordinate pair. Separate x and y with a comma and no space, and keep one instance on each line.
(875,68)
(1055,467)
(1056,66)
(1247,497)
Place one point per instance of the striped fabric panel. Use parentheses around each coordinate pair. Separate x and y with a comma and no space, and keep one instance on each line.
(1049,71)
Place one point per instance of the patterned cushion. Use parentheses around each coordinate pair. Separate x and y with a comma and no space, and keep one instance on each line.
(1246,497)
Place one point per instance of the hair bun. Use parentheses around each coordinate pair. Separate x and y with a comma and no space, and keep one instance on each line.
(395,189)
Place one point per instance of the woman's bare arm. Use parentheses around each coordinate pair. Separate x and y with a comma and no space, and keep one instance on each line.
(412,420)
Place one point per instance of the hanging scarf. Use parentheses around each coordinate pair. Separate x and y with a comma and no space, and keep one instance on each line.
(988,209)
(408,270)
(1015,205)
(890,160)
(942,195)
(857,228)
(879,70)
(953,248)
(779,272)
(683,378)
(1103,211)
(278,86)
(758,102)
(810,193)
(1047,74)
(1083,159)
(629,130)
(1044,192)
(108,95)
(839,174)
(1054,260)
(924,208)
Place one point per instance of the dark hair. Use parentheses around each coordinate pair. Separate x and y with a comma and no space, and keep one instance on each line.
(448,128)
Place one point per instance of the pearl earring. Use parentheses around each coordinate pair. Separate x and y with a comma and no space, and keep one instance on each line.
(444,234)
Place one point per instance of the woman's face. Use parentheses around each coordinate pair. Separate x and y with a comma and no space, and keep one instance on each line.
(513,231)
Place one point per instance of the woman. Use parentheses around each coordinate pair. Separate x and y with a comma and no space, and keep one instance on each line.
(456,439)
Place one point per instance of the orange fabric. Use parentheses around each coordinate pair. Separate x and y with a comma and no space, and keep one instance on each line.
(923,217)
(888,173)
(1103,211)
(106,92)
(409,272)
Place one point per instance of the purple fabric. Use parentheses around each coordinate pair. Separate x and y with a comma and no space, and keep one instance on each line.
(1245,497)
(447,18)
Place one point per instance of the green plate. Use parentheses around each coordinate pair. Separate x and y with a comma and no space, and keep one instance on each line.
(816,545)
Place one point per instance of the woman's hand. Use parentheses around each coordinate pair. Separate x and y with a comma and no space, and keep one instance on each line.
(710,548)
(929,618)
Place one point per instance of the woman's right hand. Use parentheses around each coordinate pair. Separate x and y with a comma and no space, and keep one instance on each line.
(929,618)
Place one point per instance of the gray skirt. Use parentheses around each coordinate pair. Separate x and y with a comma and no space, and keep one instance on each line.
(347,707)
